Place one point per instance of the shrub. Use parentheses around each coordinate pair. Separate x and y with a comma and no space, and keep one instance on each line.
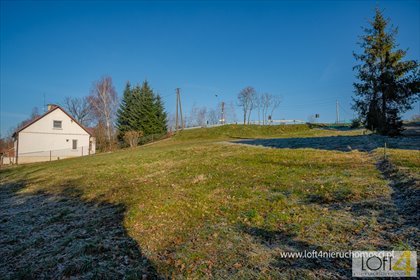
(132,137)
(355,123)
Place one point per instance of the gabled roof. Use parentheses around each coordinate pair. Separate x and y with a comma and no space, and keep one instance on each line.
(91,130)
(46,113)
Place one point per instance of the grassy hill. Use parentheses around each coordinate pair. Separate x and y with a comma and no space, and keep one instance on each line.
(197,207)
(233,131)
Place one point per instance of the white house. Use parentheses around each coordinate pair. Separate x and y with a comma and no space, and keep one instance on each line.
(52,136)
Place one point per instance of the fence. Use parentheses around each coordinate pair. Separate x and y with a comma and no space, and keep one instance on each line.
(48,155)
(5,160)
(151,138)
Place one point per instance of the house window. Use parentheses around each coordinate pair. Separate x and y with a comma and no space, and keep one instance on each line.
(74,144)
(57,124)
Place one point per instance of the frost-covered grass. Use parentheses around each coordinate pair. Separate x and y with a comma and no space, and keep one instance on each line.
(406,160)
(191,207)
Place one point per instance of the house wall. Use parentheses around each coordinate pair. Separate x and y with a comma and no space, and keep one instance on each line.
(41,141)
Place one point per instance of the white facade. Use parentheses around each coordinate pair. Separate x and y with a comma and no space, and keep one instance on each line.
(53,136)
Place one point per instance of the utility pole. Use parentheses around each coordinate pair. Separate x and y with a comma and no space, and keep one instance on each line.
(176,118)
(223,113)
(337,113)
(178,108)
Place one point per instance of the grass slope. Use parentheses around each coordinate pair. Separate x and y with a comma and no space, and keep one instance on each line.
(196,208)
(406,160)
(227,132)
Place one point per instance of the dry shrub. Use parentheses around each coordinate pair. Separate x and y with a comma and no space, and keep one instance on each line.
(132,137)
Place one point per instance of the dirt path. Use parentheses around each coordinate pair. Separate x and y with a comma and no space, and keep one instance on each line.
(402,218)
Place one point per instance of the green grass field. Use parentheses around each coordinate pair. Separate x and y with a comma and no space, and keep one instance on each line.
(406,160)
(195,206)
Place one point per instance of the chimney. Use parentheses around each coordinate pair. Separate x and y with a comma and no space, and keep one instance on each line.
(51,106)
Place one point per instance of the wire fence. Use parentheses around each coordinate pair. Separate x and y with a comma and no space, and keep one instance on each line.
(48,155)
(151,138)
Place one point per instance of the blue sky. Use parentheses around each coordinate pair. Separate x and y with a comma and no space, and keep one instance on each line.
(300,50)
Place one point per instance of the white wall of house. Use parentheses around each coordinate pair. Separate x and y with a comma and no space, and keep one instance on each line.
(41,141)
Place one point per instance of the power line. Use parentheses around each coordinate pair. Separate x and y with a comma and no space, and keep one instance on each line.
(308,104)
(346,112)
(163,96)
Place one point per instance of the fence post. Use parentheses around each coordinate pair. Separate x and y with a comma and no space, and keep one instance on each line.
(50,155)
(82,150)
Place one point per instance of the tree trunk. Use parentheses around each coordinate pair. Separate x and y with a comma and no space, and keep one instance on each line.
(384,117)
(108,132)
(259,119)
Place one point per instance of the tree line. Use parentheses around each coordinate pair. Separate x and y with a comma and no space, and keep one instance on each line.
(264,103)
(248,100)
(140,114)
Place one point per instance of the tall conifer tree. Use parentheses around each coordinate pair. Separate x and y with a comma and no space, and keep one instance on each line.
(142,110)
(161,115)
(387,86)
(124,112)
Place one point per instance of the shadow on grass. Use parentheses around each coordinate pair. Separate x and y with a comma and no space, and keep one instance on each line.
(398,215)
(338,143)
(59,236)
(300,268)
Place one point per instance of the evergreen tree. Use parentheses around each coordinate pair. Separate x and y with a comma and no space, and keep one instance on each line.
(161,115)
(144,109)
(387,86)
(135,110)
(148,111)
(124,112)
(141,110)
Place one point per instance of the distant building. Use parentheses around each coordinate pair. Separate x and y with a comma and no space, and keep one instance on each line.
(52,136)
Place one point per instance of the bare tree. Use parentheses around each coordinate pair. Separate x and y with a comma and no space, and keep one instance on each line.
(34,114)
(190,119)
(275,103)
(258,105)
(103,101)
(269,103)
(266,100)
(246,100)
(170,122)
(201,116)
(197,116)
(7,147)
(212,117)
(231,113)
(79,108)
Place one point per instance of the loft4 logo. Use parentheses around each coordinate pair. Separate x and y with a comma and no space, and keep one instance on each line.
(384,264)
(404,263)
